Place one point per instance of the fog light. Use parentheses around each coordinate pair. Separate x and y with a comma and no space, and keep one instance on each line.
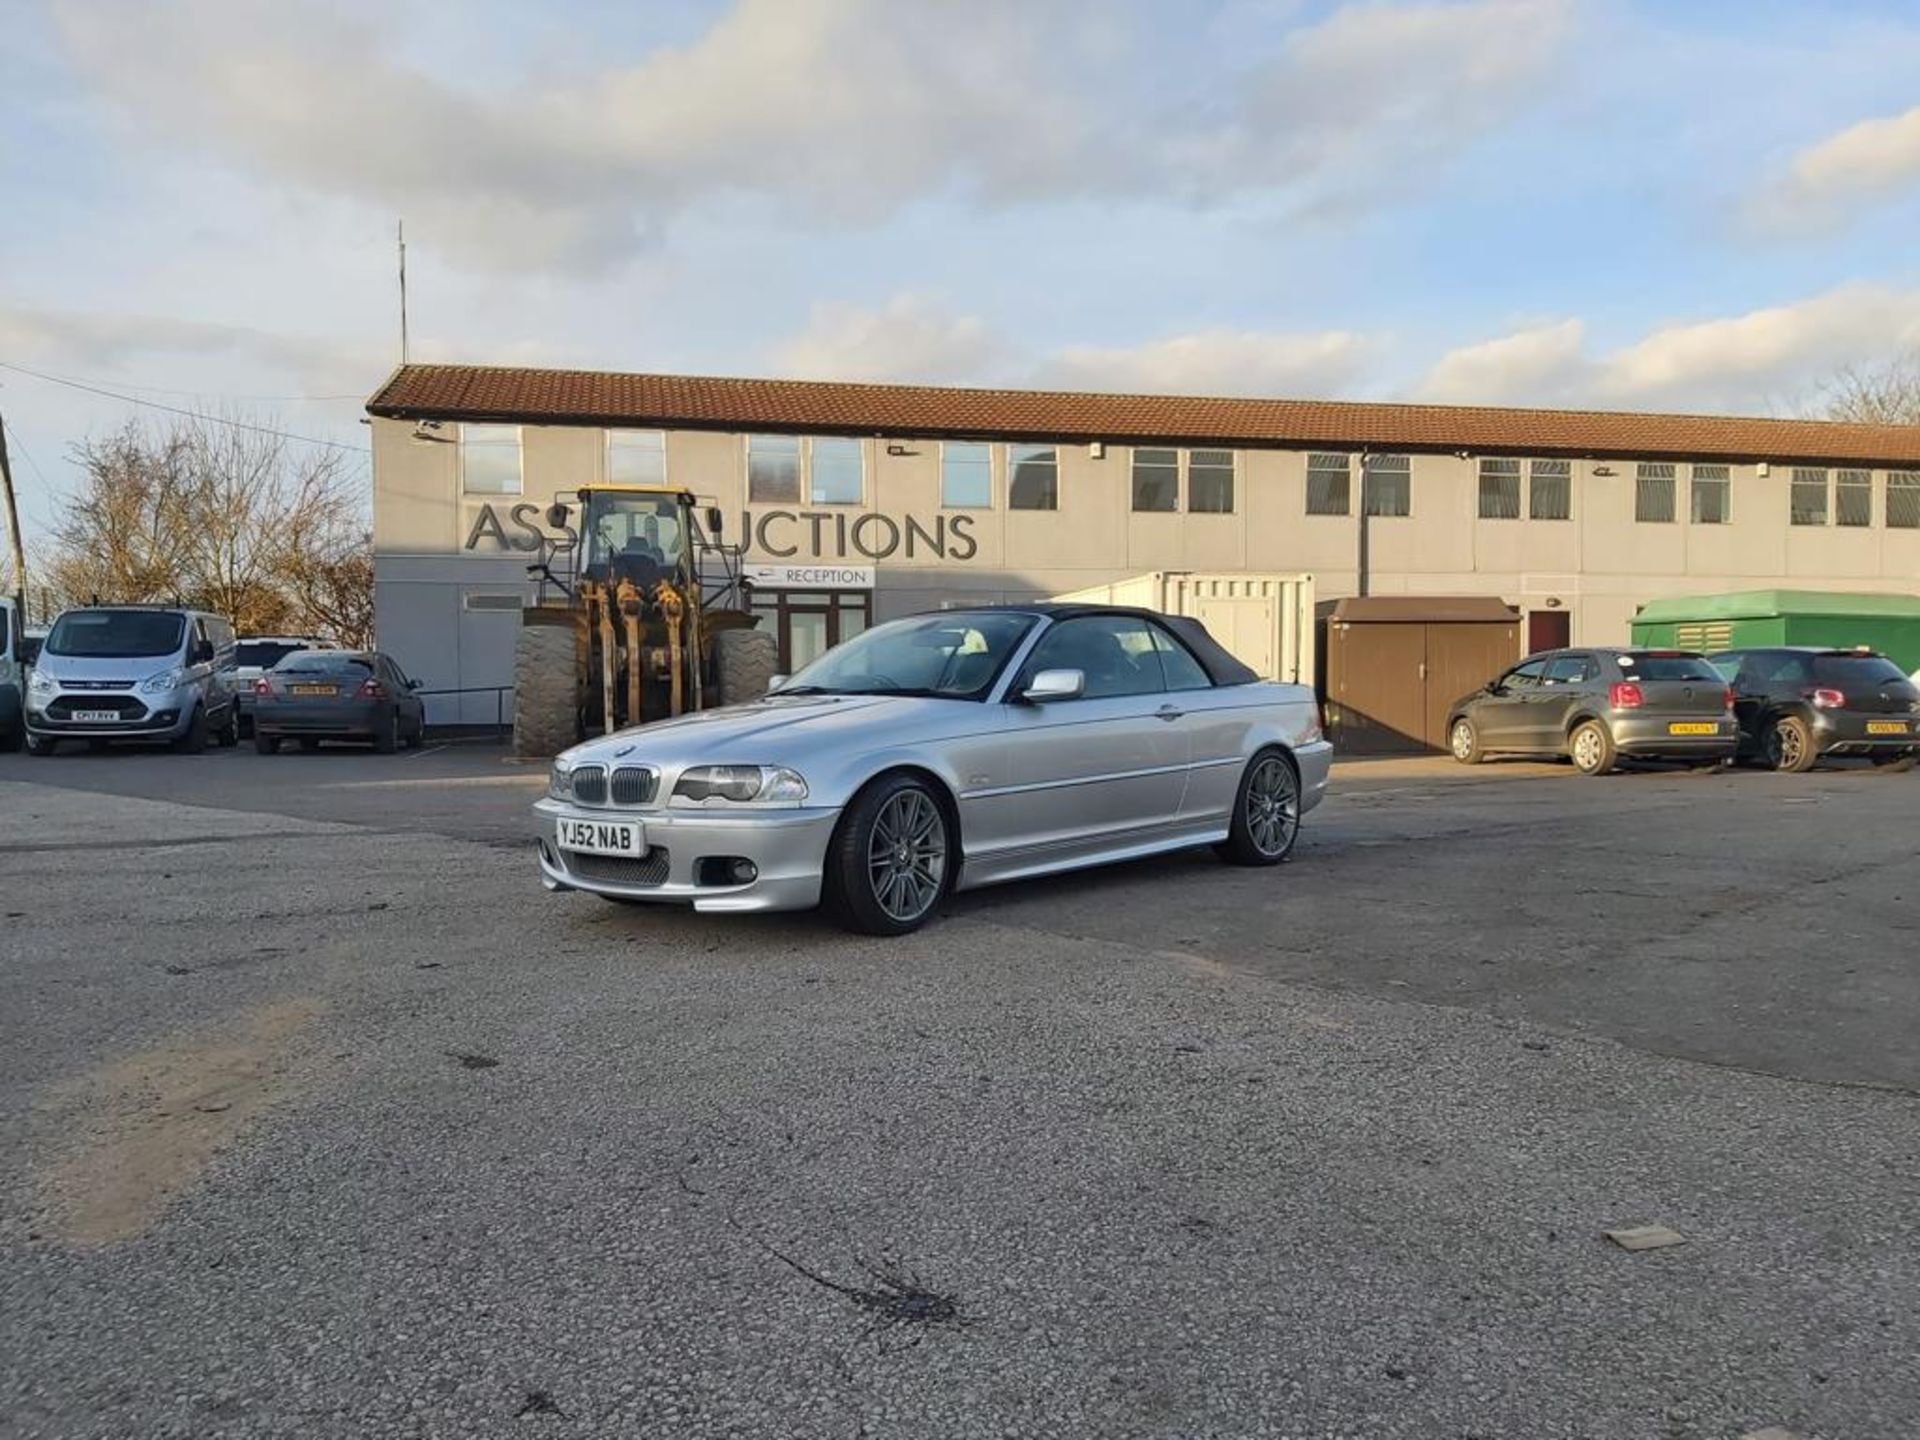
(743,872)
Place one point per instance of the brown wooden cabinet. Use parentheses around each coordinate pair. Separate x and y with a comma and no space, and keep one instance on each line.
(1395,663)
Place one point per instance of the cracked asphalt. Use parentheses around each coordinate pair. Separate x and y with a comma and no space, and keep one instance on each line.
(323,1120)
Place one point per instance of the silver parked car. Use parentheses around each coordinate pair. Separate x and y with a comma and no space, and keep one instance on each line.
(943,752)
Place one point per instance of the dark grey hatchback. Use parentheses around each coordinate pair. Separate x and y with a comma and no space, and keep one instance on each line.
(1799,703)
(1596,706)
(315,695)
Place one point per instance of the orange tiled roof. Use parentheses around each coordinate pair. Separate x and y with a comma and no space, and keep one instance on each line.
(591,397)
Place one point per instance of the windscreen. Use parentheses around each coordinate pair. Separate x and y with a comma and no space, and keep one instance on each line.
(263,654)
(1846,672)
(955,656)
(116,634)
(324,662)
(1667,667)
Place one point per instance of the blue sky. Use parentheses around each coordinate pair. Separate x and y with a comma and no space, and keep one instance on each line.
(1700,205)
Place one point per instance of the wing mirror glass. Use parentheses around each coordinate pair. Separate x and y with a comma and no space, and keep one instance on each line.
(1055,685)
(714,520)
(557,515)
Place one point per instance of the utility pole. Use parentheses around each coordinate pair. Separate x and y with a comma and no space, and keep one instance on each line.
(400,234)
(13,524)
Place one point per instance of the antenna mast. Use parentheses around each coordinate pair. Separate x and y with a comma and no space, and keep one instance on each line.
(400,234)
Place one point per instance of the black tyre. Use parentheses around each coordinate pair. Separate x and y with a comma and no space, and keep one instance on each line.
(266,744)
(1790,745)
(891,859)
(193,739)
(41,744)
(1463,741)
(1592,748)
(546,690)
(744,662)
(1898,763)
(417,736)
(11,737)
(386,733)
(229,735)
(1266,812)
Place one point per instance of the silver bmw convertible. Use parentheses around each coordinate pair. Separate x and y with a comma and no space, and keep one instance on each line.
(938,753)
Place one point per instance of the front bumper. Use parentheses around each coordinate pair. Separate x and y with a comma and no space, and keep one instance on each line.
(1651,738)
(787,847)
(165,724)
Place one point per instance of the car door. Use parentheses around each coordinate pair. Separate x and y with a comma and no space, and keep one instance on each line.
(413,709)
(1109,763)
(1550,706)
(1501,714)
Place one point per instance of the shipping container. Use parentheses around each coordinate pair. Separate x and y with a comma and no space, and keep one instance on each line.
(1749,618)
(1265,621)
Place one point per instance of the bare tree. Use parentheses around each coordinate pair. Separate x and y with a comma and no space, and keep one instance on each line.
(1883,394)
(332,583)
(213,513)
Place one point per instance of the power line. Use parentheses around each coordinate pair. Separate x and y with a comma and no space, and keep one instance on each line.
(177,410)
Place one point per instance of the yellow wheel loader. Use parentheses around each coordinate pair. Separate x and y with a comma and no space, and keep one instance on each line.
(640,615)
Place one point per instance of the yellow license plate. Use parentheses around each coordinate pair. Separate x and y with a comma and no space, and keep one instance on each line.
(313,689)
(1689,728)
(1886,727)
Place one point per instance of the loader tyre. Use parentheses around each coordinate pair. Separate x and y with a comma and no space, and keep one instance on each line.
(747,660)
(546,707)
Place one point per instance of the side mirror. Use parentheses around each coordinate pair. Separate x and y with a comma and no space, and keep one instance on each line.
(715,520)
(776,681)
(30,650)
(1055,685)
(203,653)
(1496,687)
(415,684)
(557,516)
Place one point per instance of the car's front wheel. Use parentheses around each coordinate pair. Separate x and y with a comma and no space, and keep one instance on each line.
(1266,813)
(1464,741)
(1592,748)
(890,859)
(41,744)
(193,739)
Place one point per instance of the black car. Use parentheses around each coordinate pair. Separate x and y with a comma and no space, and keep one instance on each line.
(315,695)
(1596,706)
(1798,703)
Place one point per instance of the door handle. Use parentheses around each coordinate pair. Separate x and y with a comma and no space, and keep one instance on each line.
(1168,712)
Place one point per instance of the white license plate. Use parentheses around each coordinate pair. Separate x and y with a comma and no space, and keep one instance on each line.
(97,717)
(603,837)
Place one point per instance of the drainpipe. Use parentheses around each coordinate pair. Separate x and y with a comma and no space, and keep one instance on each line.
(1363,562)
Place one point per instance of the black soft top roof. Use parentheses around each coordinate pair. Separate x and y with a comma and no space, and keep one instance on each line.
(1221,667)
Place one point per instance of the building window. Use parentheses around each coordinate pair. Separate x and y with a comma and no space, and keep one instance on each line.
(490,459)
(1809,497)
(1156,479)
(1033,477)
(1550,489)
(1711,495)
(637,457)
(966,475)
(1499,489)
(1388,485)
(1903,500)
(773,469)
(1210,482)
(1853,498)
(837,472)
(1653,494)
(1329,485)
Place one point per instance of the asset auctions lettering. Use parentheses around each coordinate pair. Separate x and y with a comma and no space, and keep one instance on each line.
(781,534)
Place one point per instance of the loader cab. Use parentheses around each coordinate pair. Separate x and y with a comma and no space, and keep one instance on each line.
(629,533)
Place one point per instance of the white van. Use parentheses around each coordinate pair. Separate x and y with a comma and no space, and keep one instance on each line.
(13,676)
(133,672)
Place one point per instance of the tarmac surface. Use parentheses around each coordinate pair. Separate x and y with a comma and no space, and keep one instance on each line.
(324,1120)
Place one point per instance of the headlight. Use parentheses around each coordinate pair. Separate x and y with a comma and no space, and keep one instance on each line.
(740,783)
(41,683)
(560,780)
(166,680)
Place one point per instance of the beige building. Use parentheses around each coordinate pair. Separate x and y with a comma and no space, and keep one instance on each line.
(857,503)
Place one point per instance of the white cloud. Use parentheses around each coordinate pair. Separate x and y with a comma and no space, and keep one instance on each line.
(1828,181)
(1214,362)
(909,338)
(915,338)
(838,111)
(1528,362)
(1743,363)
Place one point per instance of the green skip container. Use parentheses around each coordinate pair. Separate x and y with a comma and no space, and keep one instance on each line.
(1748,618)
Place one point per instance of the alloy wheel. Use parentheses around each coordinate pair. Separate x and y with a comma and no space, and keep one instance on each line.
(907,856)
(1784,747)
(1273,806)
(1462,740)
(1586,748)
